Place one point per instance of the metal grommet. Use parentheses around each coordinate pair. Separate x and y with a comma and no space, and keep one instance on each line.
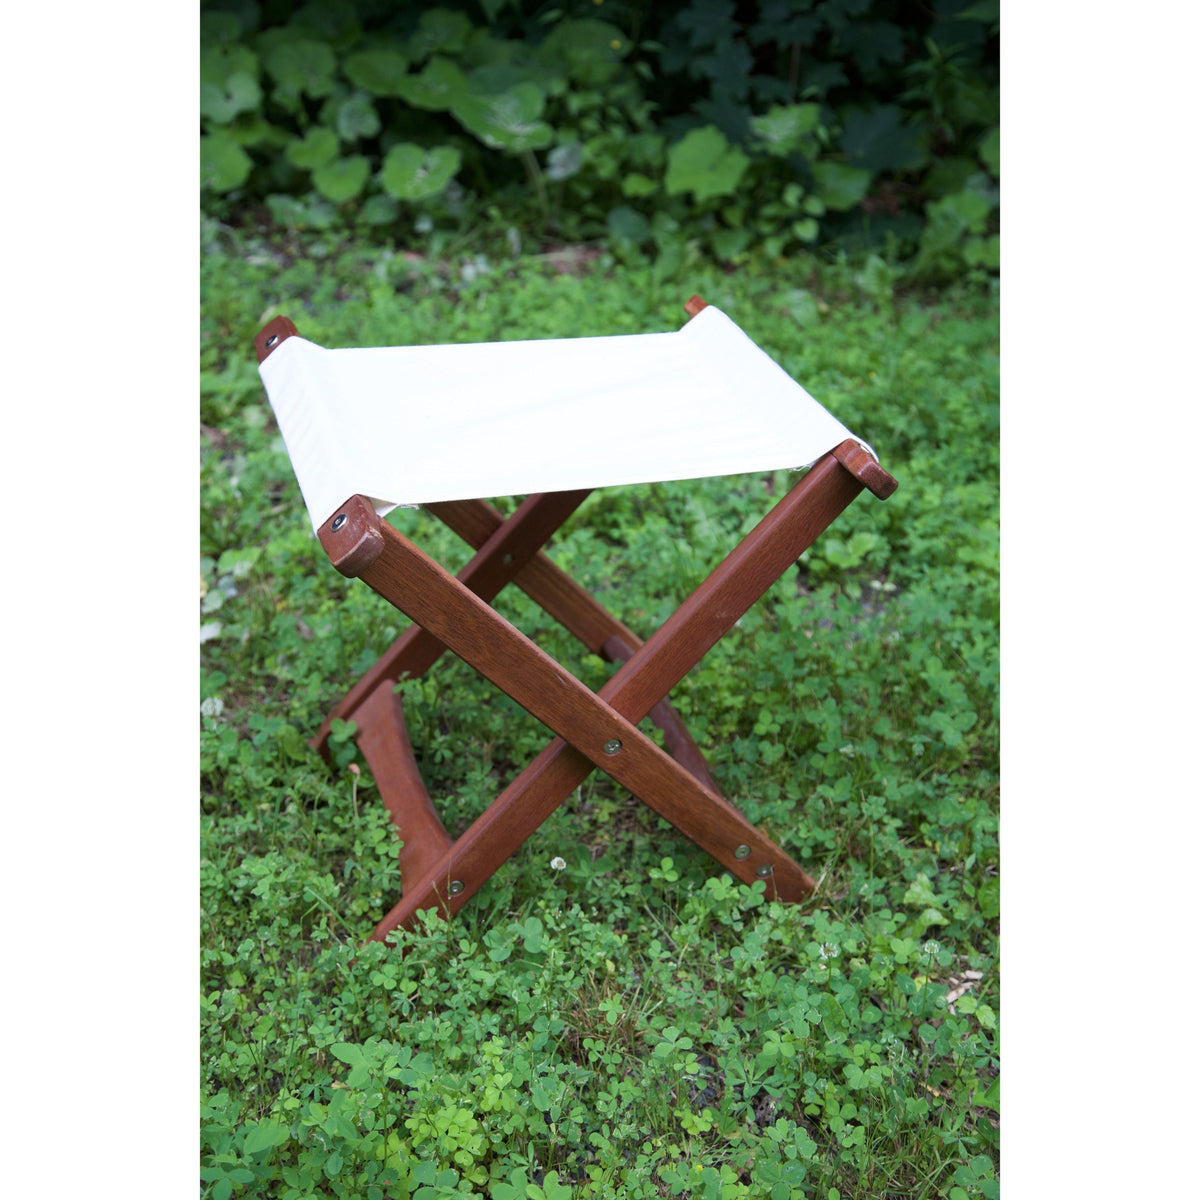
(612,746)
(764,872)
(456,887)
(338,522)
(742,852)
(272,340)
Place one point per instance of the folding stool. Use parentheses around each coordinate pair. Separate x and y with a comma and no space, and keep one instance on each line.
(439,426)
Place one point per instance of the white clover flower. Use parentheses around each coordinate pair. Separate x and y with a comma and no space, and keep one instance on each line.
(558,864)
(212,707)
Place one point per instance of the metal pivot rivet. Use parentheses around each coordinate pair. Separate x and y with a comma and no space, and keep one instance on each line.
(456,887)
(612,746)
(272,340)
(764,872)
(742,852)
(338,522)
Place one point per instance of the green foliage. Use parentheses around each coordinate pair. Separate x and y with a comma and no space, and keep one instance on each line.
(635,1024)
(730,127)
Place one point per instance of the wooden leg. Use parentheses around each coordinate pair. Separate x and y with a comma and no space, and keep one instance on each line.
(420,587)
(680,744)
(383,739)
(508,546)
(595,729)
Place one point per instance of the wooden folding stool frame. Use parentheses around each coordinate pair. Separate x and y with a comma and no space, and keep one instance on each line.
(594,729)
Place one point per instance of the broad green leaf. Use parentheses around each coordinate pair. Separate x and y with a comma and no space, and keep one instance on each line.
(218,63)
(707,22)
(705,164)
(507,120)
(263,1136)
(840,187)
(439,29)
(413,173)
(788,128)
(564,161)
(969,209)
(356,118)
(729,243)
(636,184)
(380,72)
(333,21)
(309,212)
(318,147)
(380,210)
(882,140)
(224,165)
(870,44)
(222,102)
(302,65)
(348,1052)
(221,27)
(342,179)
(588,51)
(440,85)
(627,225)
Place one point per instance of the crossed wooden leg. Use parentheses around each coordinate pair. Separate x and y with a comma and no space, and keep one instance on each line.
(594,729)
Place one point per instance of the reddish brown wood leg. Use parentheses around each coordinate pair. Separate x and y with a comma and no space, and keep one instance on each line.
(508,546)
(596,730)
(383,739)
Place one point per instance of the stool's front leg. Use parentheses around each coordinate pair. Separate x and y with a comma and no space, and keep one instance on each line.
(508,547)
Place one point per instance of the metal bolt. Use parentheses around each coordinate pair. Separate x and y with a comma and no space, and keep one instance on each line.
(338,522)
(764,872)
(742,852)
(456,887)
(272,340)
(612,746)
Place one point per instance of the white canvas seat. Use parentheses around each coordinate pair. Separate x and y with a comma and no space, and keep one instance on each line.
(419,424)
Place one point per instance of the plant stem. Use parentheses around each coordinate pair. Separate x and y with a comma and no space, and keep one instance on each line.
(539,185)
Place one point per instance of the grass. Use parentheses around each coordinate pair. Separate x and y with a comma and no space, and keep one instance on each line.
(635,1024)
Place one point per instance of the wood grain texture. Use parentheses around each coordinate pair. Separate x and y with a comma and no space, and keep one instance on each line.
(383,739)
(506,547)
(421,588)
(865,469)
(777,541)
